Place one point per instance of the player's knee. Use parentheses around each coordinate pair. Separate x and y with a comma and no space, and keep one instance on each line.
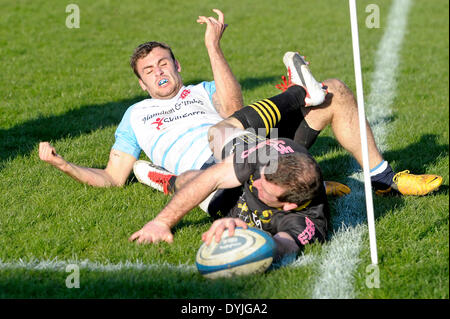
(212,131)
(337,88)
(340,98)
(215,139)
(219,133)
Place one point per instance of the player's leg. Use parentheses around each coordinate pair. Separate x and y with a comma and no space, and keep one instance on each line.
(300,91)
(278,116)
(339,109)
(281,114)
(284,113)
(341,112)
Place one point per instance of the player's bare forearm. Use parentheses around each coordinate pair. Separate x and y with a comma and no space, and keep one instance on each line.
(196,190)
(228,97)
(187,198)
(115,174)
(90,176)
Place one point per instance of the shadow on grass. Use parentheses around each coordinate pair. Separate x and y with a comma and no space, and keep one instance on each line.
(21,139)
(205,220)
(416,157)
(252,83)
(162,282)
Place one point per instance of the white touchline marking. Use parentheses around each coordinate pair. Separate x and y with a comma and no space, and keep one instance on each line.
(60,265)
(341,253)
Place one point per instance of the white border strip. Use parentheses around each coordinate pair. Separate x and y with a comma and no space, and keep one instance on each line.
(341,254)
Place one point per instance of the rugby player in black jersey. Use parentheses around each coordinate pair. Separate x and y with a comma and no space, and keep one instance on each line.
(274,184)
(281,192)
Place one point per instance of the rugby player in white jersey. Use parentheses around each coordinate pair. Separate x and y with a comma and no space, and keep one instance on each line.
(171,127)
(173,122)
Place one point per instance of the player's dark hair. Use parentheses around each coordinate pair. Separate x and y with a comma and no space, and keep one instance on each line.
(143,50)
(300,175)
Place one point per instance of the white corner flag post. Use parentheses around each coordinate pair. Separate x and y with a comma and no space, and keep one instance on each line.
(363,133)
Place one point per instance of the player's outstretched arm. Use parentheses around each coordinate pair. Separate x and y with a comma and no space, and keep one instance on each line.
(116,172)
(228,96)
(185,199)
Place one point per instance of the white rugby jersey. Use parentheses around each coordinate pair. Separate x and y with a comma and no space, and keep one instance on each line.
(172,133)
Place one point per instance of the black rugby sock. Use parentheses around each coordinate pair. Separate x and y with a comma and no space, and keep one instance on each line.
(290,100)
(304,135)
(383,179)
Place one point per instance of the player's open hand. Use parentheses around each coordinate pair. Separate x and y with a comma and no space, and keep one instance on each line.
(214,28)
(218,227)
(153,232)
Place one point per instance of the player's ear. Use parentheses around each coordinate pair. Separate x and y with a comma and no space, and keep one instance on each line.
(178,66)
(289,206)
(142,84)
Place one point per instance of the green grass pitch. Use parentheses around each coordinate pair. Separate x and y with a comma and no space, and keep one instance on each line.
(72,86)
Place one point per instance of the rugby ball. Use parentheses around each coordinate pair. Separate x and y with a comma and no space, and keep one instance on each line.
(248,251)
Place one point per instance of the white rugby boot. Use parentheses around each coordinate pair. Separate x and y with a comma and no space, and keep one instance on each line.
(300,74)
(152,175)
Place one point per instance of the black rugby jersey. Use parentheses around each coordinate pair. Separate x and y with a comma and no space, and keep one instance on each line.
(305,224)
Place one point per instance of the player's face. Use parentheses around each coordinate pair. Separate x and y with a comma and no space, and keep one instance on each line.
(268,192)
(160,74)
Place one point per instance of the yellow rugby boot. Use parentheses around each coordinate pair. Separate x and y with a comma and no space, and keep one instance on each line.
(410,184)
(336,189)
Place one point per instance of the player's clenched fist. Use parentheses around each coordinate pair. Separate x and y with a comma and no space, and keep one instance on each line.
(48,154)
